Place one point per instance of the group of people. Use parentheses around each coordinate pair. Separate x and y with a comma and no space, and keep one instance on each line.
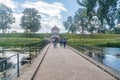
(62,42)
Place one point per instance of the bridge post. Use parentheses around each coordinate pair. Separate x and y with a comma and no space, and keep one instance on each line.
(36,51)
(30,54)
(18,68)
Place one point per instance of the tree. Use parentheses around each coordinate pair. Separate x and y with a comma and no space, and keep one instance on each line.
(89,5)
(105,10)
(31,20)
(66,25)
(118,15)
(70,25)
(6,17)
(81,19)
(74,28)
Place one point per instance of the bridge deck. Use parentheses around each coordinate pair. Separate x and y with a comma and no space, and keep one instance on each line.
(64,64)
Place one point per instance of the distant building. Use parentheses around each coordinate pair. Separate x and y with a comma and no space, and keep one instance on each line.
(55,31)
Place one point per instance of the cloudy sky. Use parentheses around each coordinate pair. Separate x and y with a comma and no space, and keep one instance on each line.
(53,12)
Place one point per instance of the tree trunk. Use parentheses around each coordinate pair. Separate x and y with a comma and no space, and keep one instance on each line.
(82,28)
(3,31)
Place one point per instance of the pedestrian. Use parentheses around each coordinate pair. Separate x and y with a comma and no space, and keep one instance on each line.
(55,42)
(60,41)
(64,42)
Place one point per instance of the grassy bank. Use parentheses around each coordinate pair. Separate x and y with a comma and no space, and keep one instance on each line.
(98,40)
(24,42)
(91,36)
(24,35)
(21,39)
(95,42)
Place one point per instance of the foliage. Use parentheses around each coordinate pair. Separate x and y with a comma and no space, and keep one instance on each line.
(70,25)
(115,30)
(6,17)
(31,20)
(25,42)
(89,5)
(95,42)
(105,10)
(99,40)
(118,15)
(81,19)
(25,35)
(91,36)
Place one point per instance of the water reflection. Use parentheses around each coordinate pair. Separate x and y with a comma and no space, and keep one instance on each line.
(10,65)
(108,57)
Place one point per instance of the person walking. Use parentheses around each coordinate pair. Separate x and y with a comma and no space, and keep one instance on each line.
(60,41)
(64,42)
(55,42)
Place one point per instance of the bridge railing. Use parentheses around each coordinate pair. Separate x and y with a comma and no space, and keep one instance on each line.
(7,67)
(12,66)
(99,54)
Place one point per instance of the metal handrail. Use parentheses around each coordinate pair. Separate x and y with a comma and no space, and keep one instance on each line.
(16,65)
(8,58)
(98,49)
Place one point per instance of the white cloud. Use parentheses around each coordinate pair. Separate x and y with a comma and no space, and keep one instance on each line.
(16,26)
(53,10)
(50,13)
(10,3)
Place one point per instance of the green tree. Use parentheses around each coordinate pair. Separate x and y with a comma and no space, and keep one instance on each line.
(81,19)
(105,10)
(70,25)
(31,20)
(67,24)
(89,5)
(6,17)
(118,16)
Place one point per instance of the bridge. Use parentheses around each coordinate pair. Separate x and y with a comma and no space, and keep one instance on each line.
(66,64)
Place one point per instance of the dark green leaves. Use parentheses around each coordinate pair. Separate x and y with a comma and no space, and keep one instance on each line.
(6,17)
(31,20)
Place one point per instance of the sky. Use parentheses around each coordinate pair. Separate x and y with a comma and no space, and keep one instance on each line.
(53,12)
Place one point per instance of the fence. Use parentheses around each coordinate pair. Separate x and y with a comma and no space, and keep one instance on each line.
(11,67)
(99,54)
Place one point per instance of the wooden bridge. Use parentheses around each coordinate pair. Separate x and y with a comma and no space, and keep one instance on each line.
(66,64)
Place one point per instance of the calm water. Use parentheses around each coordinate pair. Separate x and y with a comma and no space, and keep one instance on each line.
(13,61)
(108,57)
(111,59)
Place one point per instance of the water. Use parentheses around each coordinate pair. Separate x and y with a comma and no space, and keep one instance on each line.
(12,62)
(111,59)
(13,59)
(108,57)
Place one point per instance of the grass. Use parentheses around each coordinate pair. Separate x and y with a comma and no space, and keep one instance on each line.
(24,42)
(99,40)
(25,35)
(91,36)
(21,39)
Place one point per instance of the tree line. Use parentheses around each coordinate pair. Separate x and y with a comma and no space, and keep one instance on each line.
(95,16)
(30,21)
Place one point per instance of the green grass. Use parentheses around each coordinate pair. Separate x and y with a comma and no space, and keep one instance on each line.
(99,40)
(95,42)
(91,36)
(21,39)
(24,35)
(24,42)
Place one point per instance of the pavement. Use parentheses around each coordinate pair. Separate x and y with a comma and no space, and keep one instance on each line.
(64,64)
